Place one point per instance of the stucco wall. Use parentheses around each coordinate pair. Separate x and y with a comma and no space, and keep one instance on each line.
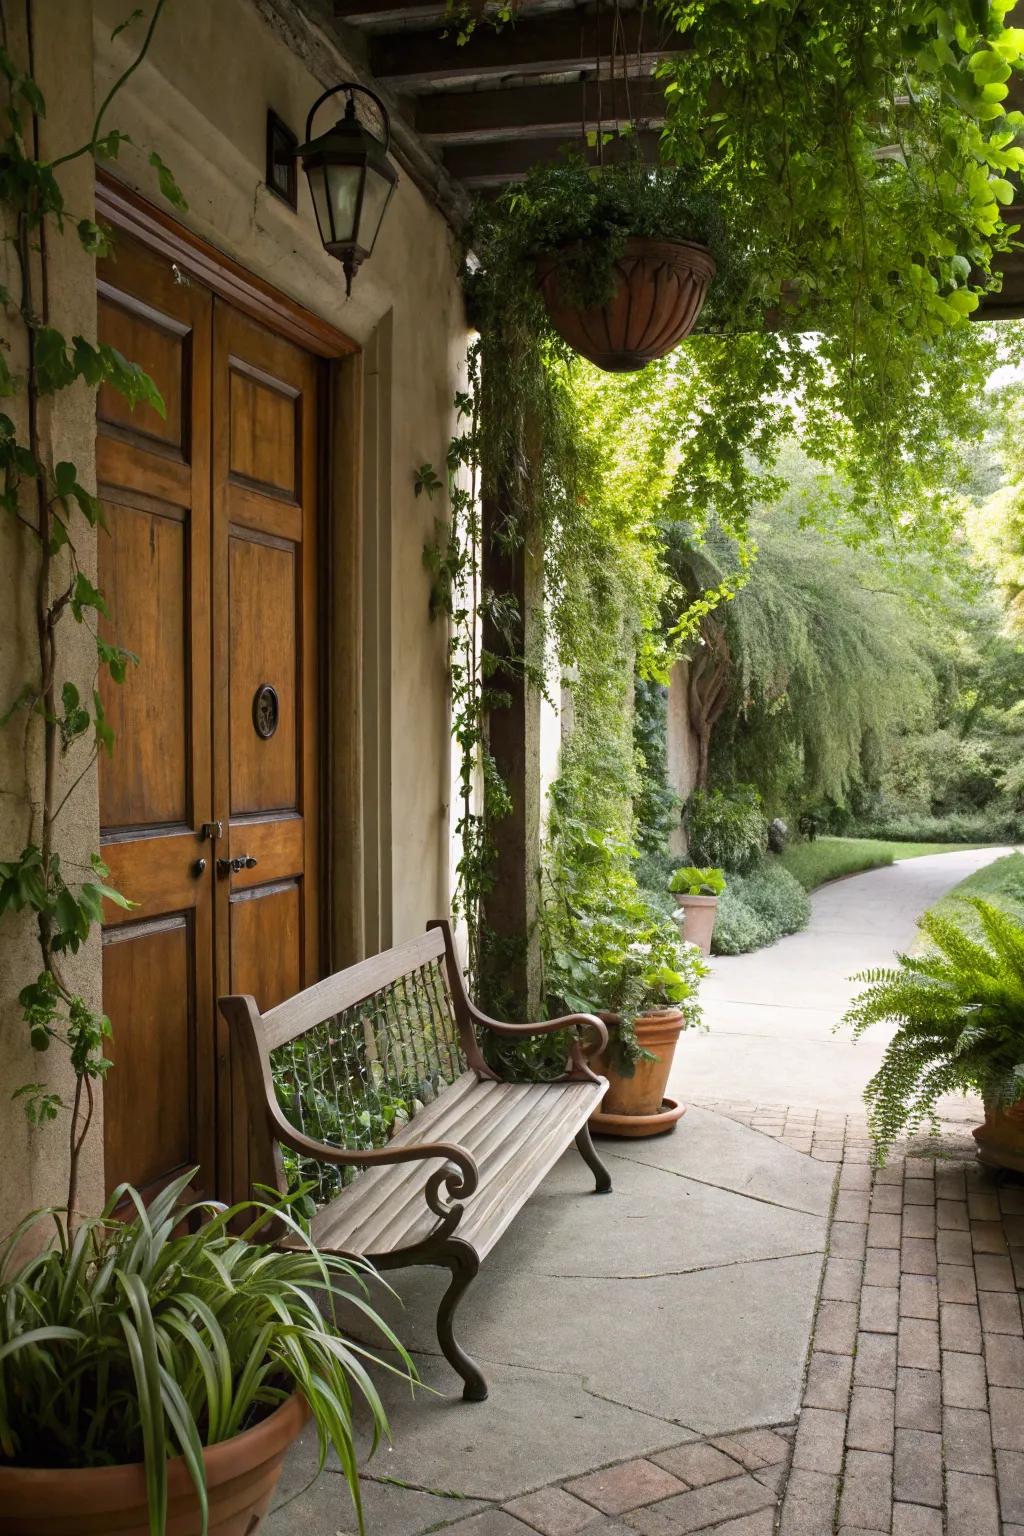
(200,98)
(34,1162)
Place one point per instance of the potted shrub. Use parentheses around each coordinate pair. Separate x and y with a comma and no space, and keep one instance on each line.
(155,1370)
(623,256)
(959,1009)
(696,892)
(649,997)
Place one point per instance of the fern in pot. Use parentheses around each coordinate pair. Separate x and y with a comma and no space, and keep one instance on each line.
(154,1370)
(959,1012)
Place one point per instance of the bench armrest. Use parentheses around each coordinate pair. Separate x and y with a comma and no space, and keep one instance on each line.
(456,1179)
(577,1067)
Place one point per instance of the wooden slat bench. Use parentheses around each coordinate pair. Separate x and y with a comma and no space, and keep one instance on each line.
(359,1049)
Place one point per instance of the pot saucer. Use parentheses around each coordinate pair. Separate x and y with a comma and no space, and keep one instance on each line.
(657,1124)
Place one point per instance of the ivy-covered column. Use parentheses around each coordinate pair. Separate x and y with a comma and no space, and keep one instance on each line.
(512,570)
(512,622)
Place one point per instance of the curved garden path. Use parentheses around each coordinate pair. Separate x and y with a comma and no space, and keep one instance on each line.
(770,1014)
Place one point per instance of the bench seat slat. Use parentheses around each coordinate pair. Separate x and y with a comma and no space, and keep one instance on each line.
(471,1121)
(516,1132)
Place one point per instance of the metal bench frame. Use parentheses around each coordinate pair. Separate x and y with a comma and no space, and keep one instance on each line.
(449,1189)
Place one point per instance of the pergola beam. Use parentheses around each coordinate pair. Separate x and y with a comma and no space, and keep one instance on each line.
(537,111)
(564,41)
(494,164)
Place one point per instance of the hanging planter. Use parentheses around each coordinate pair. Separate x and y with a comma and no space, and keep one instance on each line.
(659,288)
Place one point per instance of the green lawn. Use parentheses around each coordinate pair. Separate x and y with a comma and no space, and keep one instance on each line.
(829,857)
(1002,880)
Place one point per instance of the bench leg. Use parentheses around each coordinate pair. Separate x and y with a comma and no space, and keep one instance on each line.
(462,1261)
(602,1178)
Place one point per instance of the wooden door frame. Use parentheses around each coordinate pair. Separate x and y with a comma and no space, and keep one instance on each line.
(339,532)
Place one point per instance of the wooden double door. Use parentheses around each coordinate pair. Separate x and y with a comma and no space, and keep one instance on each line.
(209,802)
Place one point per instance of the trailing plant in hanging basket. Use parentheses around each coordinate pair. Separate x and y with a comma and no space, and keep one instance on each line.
(623,256)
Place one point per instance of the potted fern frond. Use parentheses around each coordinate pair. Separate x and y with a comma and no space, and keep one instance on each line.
(155,1370)
(959,1011)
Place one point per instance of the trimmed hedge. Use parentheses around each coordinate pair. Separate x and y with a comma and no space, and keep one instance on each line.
(758,908)
(957,827)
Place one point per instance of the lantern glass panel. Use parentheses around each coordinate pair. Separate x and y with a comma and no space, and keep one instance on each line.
(375,200)
(343,184)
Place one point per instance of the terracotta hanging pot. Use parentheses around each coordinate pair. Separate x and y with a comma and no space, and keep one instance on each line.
(241,1475)
(660,287)
(636,1105)
(1001,1138)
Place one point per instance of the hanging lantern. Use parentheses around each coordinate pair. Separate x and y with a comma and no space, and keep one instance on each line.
(351,180)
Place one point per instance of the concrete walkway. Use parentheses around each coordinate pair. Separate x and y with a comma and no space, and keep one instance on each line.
(674,1310)
(771,1013)
(646,1350)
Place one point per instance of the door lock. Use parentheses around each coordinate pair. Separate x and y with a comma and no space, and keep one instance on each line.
(235,866)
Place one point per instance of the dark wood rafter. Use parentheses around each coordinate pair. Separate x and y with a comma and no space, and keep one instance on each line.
(536,111)
(561,42)
(493,165)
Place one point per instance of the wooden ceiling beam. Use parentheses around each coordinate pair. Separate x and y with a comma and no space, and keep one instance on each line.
(563,41)
(480,166)
(397,15)
(536,111)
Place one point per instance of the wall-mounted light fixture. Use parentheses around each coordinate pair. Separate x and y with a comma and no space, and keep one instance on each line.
(351,179)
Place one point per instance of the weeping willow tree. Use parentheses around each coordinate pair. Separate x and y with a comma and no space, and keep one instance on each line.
(827,660)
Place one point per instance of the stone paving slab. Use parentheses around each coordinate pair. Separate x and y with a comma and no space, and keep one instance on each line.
(609,1328)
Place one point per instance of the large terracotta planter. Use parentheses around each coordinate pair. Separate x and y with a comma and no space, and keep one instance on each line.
(636,1105)
(1001,1138)
(699,913)
(660,290)
(241,1475)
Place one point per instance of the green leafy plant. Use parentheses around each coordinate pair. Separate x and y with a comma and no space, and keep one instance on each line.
(48,502)
(759,907)
(689,880)
(583,216)
(726,827)
(959,1011)
(137,1340)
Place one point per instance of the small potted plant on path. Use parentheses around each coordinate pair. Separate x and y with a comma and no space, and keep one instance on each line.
(649,996)
(155,1369)
(696,892)
(959,1010)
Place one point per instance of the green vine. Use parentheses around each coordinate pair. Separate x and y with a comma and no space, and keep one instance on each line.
(48,502)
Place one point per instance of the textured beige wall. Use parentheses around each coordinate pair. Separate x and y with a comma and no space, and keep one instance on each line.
(34,1162)
(201,98)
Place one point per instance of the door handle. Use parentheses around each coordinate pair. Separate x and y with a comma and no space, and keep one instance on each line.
(235,866)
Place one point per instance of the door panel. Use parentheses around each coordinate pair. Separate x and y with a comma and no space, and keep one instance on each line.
(210,575)
(265,739)
(155,790)
(264,584)
(154,1044)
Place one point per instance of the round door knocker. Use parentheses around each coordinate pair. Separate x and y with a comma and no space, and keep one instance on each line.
(265,710)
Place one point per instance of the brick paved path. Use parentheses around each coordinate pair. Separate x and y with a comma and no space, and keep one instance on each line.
(913,1411)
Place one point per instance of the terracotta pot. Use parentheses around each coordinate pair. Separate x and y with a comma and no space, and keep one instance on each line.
(241,1475)
(644,1092)
(660,290)
(699,913)
(1001,1139)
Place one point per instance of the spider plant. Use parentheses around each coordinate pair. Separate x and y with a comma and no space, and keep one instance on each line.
(959,1008)
(141,1339)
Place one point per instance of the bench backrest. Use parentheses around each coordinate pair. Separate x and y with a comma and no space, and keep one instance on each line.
(355,1056)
